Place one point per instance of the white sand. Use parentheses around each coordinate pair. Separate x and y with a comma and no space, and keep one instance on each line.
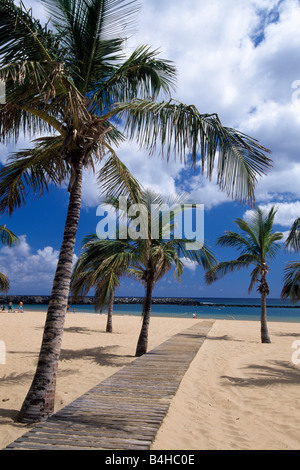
(237,393)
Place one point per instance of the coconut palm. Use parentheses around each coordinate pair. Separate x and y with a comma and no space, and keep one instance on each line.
(291,287)
(101,265)
(71,80)
(149,251)
(257,244)
(7,238)
(157,258)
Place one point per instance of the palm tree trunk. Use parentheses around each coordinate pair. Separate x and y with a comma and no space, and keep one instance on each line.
(142,344)
(39,402)
(264,291)
(265,338)
(109,313)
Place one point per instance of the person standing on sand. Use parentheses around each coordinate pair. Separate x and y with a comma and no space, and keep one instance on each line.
(10,306)
(21,307)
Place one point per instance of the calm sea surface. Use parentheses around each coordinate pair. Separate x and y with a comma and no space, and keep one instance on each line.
(222,308)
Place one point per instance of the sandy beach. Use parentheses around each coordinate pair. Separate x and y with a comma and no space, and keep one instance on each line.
(237,394)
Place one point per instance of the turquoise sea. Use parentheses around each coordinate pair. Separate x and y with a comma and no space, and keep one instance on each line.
(218,308)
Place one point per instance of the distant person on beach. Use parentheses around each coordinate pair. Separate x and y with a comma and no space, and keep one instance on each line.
(21,307)
(194,315)
(68,308)
(10,306)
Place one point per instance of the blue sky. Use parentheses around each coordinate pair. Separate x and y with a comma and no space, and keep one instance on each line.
(238,59)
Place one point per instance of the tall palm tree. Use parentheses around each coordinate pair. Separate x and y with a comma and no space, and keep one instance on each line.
(70,79)
(257,244)
(7,238)
(291,287)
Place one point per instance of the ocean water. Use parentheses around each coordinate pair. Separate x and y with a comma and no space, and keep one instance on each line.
(218,308)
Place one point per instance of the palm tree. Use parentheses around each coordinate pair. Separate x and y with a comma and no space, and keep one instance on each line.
(291,287)
(257,244)
(101,265)
(7,238)
(70,79)
(148,255)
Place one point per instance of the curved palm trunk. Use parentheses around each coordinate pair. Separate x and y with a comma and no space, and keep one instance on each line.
(109,313)
(264,291)
(39,402)
(142,344)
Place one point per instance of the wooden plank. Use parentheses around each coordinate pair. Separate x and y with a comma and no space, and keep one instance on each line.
(126,410)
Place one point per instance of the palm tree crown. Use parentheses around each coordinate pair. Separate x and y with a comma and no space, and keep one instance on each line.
(101,265)
(7,238)
(291,287)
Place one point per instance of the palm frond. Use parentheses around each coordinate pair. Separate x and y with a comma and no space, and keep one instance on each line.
(104,289)
(204,257)
(92,33)
(100,266)
(223,268)
(235,240)
(4,283)
(142,75)
(291,287)
(22,37)
(33,169)
(254,278)
(293,240)
(115,179)
(7,237)
(250,228)
(180,129)
(35,97)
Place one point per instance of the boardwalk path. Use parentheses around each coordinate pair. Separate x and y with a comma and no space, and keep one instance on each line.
(126,410)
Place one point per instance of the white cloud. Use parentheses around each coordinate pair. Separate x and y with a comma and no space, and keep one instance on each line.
(203,191)
(286,214)
(238,59)
(281,183)
(221,69)
(153,173)
(189,264)
(25,268)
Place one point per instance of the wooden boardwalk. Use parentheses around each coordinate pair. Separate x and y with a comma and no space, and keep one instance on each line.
(125,411)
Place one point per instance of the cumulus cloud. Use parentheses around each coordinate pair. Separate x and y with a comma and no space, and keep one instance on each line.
(27,268)
(189,264)
(286,213)
(152,173)
(239,59)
